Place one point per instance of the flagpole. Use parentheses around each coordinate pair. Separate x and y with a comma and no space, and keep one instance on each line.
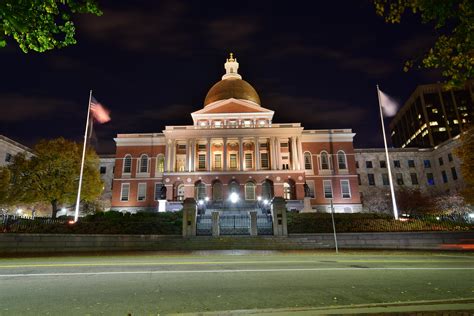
(76,213)
(392,191)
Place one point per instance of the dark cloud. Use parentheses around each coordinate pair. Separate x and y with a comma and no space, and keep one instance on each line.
(236,32)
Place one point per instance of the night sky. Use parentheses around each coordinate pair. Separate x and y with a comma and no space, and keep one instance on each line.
(152,62)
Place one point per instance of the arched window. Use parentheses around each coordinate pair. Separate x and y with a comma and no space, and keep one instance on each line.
(250,191)
(289,190)
(160,163)
(308,161)
(217,191)
(144,163)
(267,190)
(325,161)
(199,190)
(341,160)
(127,164)
(180,192)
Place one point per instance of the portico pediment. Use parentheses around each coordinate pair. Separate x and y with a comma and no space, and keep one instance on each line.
(232,106)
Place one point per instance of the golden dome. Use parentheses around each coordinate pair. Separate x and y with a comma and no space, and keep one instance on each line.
(232,88)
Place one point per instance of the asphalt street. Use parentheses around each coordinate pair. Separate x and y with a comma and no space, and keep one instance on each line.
(236,282)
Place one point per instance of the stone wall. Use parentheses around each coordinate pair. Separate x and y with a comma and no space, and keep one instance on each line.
(49,243)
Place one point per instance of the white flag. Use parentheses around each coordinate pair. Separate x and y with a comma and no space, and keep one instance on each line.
(389,105)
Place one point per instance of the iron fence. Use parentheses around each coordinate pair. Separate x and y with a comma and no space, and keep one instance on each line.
(15,223)
(264,225)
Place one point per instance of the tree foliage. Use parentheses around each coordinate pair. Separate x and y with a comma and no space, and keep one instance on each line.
(453,50)
(451,204)
(52,175)
(465,152)
(41,25)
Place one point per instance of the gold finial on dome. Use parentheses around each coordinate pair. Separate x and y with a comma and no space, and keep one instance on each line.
(231,68)
(231,58)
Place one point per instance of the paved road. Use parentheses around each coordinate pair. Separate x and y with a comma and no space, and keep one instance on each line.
(306,283)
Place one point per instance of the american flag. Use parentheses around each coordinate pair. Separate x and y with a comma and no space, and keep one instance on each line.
(99,113)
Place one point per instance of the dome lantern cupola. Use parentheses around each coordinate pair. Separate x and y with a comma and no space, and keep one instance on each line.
(232,86)
(231,68)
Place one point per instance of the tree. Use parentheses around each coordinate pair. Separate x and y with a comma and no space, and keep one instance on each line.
(41,25)
(451,204)
(453,50)
(413,201)
(377,201)
(4,187)
(51,175)
(465,152)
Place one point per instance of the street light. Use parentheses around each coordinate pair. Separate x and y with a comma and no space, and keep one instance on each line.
(206,199)
(259,198)
(201,202)
(234,197)
(265,202)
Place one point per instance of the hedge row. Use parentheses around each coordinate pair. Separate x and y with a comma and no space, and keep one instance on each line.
(303,223)
(107,223)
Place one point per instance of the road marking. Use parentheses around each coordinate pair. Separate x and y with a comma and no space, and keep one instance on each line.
(222,271)
(102,264)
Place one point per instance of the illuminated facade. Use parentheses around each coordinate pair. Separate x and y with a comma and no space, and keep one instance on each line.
(432,115)
(234,146)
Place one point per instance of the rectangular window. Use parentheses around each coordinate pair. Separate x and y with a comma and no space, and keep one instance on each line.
(371,178)
(445,176)
(454,173)
(264,160)
(411,163)
(414,178)
(368,164)
(385,180)
(430,179)
(247,123)
(233,161)
(201,161)
(284,145)
(248,161)
(181,147)
(383,164)
(396,163)
(345,189)
(217,161)
(399,177)
(8,157)
(450,157)
(359,179)
(441,162)
(263,145)
(125,192)
(427,163)
(202,146)
(103,169)
(327,189)
(159,189)
(141,193)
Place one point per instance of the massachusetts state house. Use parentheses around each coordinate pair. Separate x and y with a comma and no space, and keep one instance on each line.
(235,147)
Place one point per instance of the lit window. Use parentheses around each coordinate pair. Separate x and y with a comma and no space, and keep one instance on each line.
(201,161)
(434,123)
(125,192)
(248,161)
(217,124)
(141,194)
(233,161)
(341,160)
(127,164)
(345,189)
(160,163)
(324,161)
(262,123)
(327,189)
(308,165)
(264,160)
(144,164)
(247,123)
(250,191)
(430,179)
(203,123)
(218,161)
(442,129)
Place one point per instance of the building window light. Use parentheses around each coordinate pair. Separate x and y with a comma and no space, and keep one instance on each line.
(203,123)
(419,116)
(217,124)
(262,122)
(434,123)
(455,121)
(442,129)
(434,110)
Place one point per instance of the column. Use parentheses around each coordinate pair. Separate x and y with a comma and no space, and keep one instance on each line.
(193,155)
(278,153)
(294,154)
(241,153)
(208,156)
(272,153)
(173,157)
(224,154)
(257,153)
(187,165)
(300,152)
(167,158)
